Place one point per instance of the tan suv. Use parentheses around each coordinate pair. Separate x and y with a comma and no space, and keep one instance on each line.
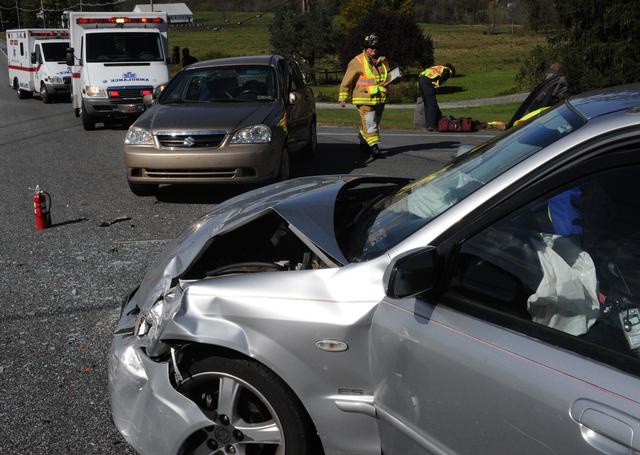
(232,120)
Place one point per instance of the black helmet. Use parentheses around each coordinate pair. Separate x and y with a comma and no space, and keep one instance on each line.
(371,41)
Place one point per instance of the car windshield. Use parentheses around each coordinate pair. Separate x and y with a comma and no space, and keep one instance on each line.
(123,47)
(55,52)
(393,218)
(222,84)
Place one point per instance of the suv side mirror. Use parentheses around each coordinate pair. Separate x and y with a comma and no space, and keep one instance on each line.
(34,59)
(69,57)
(412,273)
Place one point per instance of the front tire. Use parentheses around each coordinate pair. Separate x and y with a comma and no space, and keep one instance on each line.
(252,409)
(311,148)
(143,189)
(44,94)
(284,172)
(88,122)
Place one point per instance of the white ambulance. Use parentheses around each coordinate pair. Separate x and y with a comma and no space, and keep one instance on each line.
(117,58)
(37,62)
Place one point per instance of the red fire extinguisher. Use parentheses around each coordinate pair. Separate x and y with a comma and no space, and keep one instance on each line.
(42,208)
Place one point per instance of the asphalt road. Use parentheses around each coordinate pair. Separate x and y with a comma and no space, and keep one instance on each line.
(61,287)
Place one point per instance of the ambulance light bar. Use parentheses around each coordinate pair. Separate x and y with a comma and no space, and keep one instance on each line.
(50,34)
(119,20)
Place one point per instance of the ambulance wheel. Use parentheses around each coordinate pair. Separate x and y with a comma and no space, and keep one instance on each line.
(88,122)
(22,94)
(143,189)
(44,95)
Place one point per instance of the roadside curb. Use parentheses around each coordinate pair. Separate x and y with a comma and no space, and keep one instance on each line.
(515,98)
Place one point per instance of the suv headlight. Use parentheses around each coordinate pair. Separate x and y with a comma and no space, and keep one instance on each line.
(256,134)
(54,79)
(138,136)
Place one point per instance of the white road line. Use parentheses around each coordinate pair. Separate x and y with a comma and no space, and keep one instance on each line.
(444,135)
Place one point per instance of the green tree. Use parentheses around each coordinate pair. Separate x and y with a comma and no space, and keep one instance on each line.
(402,40)
(597,45)
(303,36)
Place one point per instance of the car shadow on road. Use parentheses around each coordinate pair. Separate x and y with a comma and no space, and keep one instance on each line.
(200,194)
(442,145)
(331,158)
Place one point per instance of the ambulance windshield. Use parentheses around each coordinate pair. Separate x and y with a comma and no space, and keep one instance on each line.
(55,52)
(123,47)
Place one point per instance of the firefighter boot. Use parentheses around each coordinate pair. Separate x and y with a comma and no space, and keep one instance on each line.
(375,151)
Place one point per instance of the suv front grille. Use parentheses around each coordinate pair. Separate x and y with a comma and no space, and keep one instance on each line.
(190,140)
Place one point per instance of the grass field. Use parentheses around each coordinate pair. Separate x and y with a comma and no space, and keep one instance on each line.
(486,64)
(403,118)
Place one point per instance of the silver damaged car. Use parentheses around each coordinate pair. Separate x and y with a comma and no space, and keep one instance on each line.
(489,307)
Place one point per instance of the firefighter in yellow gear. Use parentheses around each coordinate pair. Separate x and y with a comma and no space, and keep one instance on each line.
(364,83)
(430,79)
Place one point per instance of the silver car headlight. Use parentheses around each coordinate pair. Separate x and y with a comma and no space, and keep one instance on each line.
(138,136)
(95,92)
(256,134)
(54,79)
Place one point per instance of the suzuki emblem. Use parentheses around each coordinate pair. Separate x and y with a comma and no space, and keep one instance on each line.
(189,142)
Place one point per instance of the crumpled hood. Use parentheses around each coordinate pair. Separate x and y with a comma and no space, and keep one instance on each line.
(307,203)
(208,116)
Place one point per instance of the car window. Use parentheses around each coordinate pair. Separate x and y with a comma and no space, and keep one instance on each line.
(222,84)
(568,261)
(392,219)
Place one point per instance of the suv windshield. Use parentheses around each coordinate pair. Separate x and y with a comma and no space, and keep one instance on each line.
(393,218)
(222,84)
(55,52)
(123,47)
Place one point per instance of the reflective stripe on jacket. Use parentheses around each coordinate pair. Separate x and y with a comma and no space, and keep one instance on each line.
(362,82)
(434,73)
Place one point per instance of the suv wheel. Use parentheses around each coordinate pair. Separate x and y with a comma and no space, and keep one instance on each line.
(285,166)
(311,148)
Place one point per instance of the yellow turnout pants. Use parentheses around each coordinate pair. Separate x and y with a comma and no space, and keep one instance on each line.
(370,117)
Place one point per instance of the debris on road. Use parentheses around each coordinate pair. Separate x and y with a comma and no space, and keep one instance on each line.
(120,219)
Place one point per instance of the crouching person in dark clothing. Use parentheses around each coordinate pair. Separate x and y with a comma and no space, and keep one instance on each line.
(430,79)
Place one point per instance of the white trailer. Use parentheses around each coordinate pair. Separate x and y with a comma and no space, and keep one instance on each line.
(37,62)
(117,58)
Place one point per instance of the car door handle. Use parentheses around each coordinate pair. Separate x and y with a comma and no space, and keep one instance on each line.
(606,429)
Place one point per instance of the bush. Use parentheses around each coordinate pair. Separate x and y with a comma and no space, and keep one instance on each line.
(402,40)
(597,45)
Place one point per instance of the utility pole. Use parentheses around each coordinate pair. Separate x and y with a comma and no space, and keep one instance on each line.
(44,24)
(18,13)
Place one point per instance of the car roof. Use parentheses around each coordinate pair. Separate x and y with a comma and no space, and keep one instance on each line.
(270,59)
(605,101)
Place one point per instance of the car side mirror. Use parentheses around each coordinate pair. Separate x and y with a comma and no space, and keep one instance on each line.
(412,273)
(69,57)
(147,100)
(34,59)
(158,91)
(292,98)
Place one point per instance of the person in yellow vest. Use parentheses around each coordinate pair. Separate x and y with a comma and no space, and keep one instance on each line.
(364,83)
(430,79)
